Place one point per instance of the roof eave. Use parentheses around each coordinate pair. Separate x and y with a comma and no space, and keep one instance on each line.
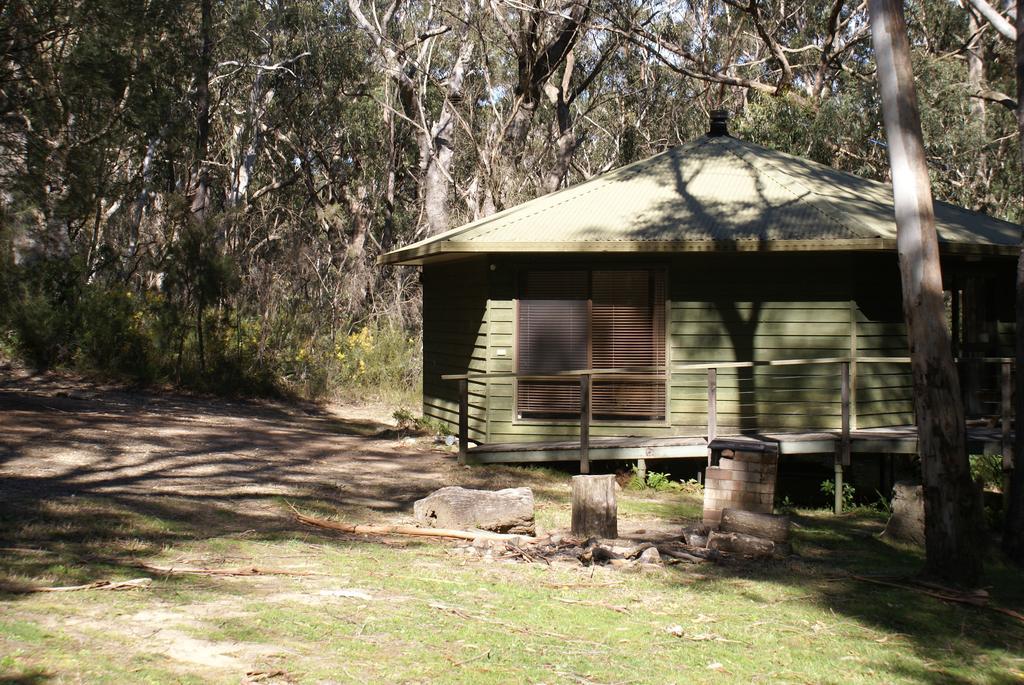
(417,255)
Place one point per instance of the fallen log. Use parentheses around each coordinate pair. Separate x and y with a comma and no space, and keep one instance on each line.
(769,526)
(133,584)
(252,571)
(681,556)
(741,543)
(409,530)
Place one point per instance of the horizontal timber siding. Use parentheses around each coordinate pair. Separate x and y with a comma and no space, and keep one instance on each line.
(455,341)
(767,308)
(722,308)
(885,394)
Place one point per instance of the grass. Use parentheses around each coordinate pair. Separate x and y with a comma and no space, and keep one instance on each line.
(437,617)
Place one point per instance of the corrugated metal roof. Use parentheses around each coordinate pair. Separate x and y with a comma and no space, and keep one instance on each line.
(712,193)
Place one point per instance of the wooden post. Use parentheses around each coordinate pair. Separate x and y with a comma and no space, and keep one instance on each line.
(839,486)
(844,397)
(843,448)
(585,423)
(594,510)
(463,419)
(1005,419)
(712,408)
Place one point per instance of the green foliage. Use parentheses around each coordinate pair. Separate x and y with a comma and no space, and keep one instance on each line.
(987,470)
(421,424)
(829,488)
(786,505)
(660,482)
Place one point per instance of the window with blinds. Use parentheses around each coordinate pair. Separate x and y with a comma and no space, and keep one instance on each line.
(601,319)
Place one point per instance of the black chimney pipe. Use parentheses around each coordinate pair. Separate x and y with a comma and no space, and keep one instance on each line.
(719,123)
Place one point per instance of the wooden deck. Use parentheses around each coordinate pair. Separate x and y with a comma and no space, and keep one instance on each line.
(894,440)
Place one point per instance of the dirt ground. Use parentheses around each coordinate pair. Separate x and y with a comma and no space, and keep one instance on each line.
(108,483)
(60,436)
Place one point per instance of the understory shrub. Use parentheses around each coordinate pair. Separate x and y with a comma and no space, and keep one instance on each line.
(829,488)
(53,315)
(987,470)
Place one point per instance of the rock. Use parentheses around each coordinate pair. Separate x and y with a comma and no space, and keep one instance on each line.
(631,551)
(501,511)
(650,556)
(907,520)
(696,536)
(697,540)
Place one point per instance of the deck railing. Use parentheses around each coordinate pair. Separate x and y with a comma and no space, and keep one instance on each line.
(847,395)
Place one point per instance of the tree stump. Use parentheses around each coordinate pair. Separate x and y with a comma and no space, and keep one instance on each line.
(502,511)
(770,526)
(907,520)
(594,510)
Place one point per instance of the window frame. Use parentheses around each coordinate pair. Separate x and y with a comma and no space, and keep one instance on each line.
(590,268)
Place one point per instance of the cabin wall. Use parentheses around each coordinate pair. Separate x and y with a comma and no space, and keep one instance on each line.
(884,391)
(721,308)
(455,330)
(760,307)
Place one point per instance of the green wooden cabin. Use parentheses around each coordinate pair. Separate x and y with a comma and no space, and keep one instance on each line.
(716,251)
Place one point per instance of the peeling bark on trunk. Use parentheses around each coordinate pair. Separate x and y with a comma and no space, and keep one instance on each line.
(952,511)
(565,143)
(976,77)
(440,149)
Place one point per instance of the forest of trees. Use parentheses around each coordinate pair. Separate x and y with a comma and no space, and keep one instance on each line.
(196,192)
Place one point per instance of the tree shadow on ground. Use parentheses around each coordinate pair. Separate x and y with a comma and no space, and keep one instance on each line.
(93,480)
(831,550)
(33,677)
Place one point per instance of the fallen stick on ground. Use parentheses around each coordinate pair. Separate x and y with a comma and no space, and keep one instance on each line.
(600,605)
(134,584)
(253,571)
(455,611)
(972,600)
(408,530)
(681,556)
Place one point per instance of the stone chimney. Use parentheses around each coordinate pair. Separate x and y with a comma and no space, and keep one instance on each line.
(719,123)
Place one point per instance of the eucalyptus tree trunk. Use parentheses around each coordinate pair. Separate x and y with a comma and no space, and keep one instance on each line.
(438,148)
(201,197)
(951,503)
(1013,525)
(976,79)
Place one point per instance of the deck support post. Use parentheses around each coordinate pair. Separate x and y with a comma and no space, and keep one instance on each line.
(712,408)
(1005,419)
(843,448)
(463,419)
(839,486)
(844,398)
(585,423)
(641,469)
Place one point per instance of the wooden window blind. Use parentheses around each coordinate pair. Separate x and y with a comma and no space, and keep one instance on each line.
(601,319)
(628,319)
(553,333)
